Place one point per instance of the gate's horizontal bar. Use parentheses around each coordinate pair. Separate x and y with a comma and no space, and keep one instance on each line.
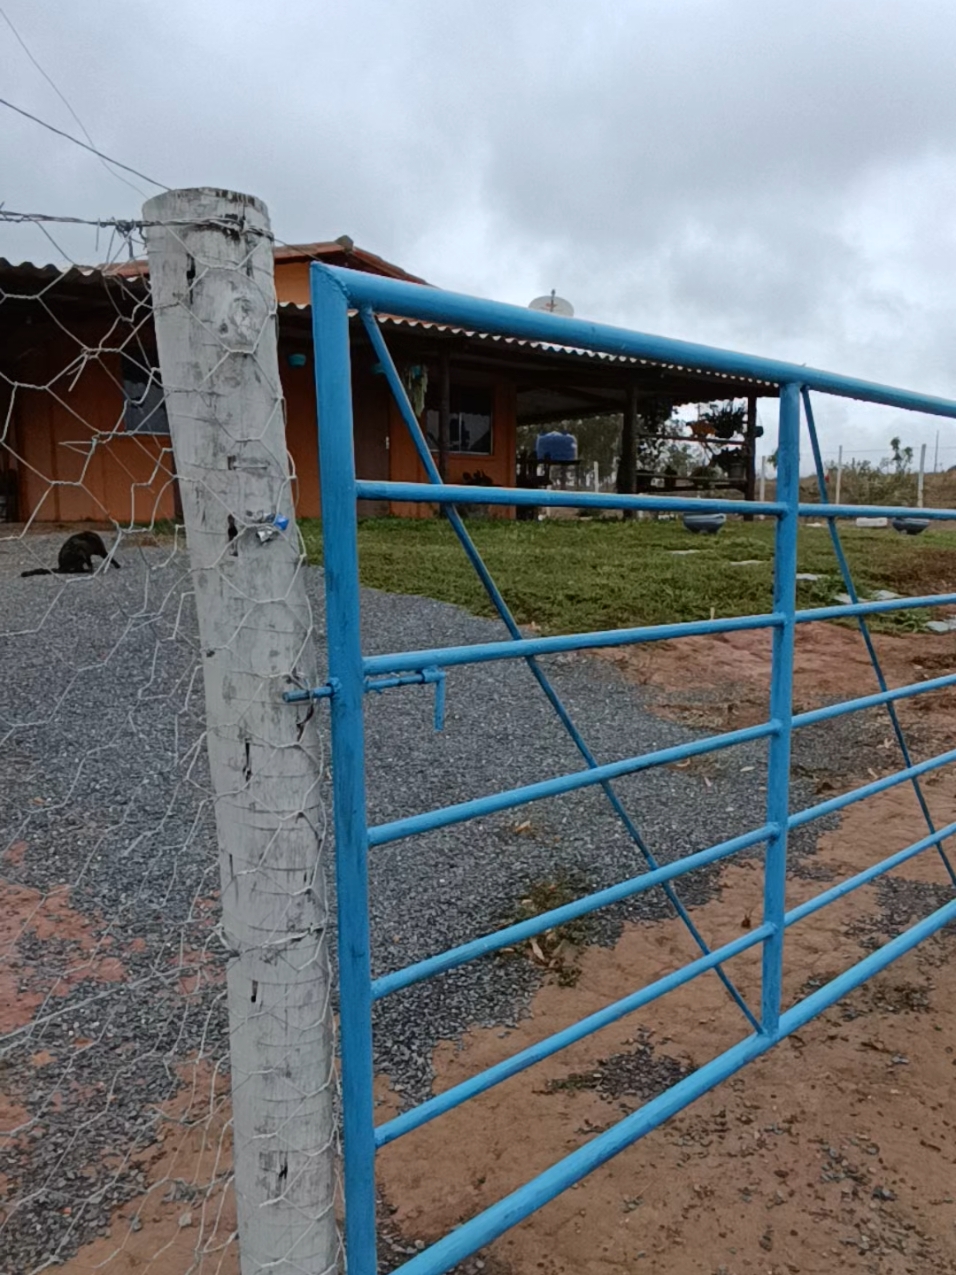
(443,817)
(488,1225)
(542,1049)
(801,817)
(842,612)
(868,874)
(512,934)
(874,511)
(815,715)
(450,494)
(415,301)
(482,652)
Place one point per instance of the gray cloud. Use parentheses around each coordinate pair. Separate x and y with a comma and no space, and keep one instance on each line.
(775,177)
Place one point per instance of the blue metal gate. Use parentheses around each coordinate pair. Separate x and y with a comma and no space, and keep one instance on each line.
(335,293)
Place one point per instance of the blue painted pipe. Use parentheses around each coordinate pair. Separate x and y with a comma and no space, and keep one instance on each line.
(523,648)
(450,494)
(868,874)
(445,816)
(424,677)
(482,652)
(337,474)
(414,301)
(814,715)
(381,834)
(873,511)
(870,790)
(518,933)
(781,705)
(316,692)
(491,1076)
(848,611)
(527,1199)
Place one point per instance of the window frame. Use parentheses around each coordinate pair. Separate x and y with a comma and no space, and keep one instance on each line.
(431,415)
(133,374)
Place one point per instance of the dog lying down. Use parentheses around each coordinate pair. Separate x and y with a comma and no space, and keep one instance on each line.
(76,556)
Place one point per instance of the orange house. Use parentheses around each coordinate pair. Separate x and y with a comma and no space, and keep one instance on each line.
(83,435)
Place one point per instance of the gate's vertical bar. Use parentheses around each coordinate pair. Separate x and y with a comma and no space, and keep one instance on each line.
(781,701)
(340,552)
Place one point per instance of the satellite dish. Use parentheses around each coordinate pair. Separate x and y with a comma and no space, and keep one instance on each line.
(553,304)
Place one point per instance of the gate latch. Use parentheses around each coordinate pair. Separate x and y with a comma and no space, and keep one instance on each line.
(432,676)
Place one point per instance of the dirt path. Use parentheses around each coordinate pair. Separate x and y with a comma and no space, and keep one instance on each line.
(835,1152)
(724,680)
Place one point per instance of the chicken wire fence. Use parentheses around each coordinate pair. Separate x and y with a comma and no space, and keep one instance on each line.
(167,1087)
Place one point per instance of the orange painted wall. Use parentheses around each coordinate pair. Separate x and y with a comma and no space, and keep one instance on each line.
(67,470)
(76,464)
(298,386)
(292,281)
(405,466)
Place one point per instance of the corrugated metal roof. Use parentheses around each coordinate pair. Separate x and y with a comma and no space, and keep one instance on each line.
(28,270)
(92,276)
(344,249)
(399,321)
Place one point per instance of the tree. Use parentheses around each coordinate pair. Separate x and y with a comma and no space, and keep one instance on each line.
(900,461)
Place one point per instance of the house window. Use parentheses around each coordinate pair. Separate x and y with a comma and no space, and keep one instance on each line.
(145,409)
(469,426)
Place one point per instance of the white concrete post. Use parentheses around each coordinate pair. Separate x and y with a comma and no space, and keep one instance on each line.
(763,478)
(921,476)
(597,477)
(839,477)
(212,278)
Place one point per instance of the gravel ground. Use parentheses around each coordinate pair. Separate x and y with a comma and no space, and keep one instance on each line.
(102,778)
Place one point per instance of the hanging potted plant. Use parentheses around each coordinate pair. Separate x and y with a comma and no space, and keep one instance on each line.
(733,461)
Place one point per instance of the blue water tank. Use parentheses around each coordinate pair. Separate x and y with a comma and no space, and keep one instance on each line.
(560,449)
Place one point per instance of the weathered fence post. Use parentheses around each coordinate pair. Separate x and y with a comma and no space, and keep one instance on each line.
(212,277)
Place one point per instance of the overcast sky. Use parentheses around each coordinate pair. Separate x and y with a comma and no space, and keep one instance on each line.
(779,178)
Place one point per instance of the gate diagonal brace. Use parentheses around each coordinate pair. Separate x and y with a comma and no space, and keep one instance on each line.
(420,444)
(425,677)
(850,586)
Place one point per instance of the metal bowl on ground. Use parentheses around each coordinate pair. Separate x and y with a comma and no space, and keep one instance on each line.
(910,526)
(704,524)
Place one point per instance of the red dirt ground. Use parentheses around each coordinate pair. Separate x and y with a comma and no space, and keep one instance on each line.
(835,1152)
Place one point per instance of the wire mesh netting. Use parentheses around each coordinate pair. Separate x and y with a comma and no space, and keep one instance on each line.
(125,972)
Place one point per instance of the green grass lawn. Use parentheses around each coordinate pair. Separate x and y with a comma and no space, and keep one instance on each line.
(568,575)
